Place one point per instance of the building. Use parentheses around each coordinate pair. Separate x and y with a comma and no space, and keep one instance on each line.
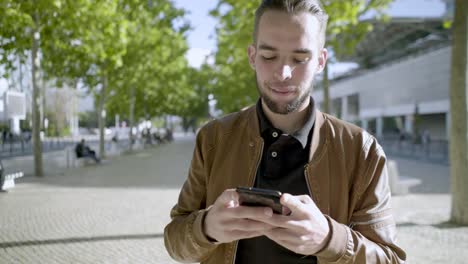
(402,84)
(60,104)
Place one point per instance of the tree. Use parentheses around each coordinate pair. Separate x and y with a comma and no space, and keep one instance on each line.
(23,26)
(154,67)
(129,50)
(61,47)
(195,103)
(235,80)
(95,34)
(459,115)
(106,46)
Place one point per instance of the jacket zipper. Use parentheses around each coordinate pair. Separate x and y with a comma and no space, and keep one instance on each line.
(306,175)
(259,158)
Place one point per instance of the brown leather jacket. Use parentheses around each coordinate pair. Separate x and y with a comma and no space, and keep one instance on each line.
(346,176)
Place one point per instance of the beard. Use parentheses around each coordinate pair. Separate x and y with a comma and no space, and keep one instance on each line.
(281,107)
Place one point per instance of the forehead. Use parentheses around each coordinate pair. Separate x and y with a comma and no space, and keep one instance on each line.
(288,31)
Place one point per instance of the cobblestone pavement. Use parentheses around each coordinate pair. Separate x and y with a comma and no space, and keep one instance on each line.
(116,212)
(112,213)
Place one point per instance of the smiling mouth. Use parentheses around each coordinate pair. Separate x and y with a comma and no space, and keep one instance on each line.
(282,90)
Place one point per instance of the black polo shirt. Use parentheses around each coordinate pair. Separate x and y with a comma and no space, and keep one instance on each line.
(281,168)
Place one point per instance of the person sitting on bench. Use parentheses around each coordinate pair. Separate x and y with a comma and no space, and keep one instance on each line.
(84,151)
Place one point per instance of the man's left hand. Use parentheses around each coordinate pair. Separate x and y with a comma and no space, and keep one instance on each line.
(304,231)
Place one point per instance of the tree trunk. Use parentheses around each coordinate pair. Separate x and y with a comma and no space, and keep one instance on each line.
(36,122)
(326,91)
(459,114)
(132,118)
(102,117)
(43,110)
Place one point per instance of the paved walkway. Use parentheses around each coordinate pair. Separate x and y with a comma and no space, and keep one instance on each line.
(116,212)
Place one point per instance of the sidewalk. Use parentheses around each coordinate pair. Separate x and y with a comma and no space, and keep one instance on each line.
(422,217)
(116,212)
(111,213)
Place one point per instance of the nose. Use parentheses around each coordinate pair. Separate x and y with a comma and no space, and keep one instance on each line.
(284,72)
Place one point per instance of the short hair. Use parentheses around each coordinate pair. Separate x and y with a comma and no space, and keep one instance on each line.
(313,7)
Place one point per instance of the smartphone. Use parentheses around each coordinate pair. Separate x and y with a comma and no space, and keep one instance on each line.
(250,196)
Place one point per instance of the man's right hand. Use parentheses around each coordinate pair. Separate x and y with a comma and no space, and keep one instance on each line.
(227,221)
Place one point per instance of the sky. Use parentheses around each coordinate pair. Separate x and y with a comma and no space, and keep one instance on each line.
(202,39)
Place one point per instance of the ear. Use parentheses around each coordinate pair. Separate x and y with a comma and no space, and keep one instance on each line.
(252,52)
(322,60)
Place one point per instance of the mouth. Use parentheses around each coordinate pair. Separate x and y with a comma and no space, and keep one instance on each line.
(282,90)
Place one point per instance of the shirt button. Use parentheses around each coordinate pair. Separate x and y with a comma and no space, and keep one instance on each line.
(275,134)
(274,154)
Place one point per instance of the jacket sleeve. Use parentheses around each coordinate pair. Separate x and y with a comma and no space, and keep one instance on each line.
(371,235)
(184,238)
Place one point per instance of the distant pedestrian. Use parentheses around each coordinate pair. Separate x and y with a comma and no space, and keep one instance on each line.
(4,136)
(426,140)
(426,137)
(2,176)
(84,151)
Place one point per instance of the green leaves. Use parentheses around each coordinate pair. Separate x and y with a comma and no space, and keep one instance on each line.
(153,68)
(139,44)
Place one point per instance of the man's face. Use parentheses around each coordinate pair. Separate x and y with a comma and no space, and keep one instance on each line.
(286,58)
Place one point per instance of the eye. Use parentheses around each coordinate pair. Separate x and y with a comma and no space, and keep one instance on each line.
(301,60)
(268,55)
(268,58)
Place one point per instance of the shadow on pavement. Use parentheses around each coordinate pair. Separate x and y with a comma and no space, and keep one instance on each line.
(73,240)
(443,225)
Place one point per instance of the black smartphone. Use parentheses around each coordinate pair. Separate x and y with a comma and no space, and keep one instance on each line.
(250,196)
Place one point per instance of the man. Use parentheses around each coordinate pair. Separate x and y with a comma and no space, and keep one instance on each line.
(84,151)
(332,174)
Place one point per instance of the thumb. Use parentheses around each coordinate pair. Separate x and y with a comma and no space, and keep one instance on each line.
(229,198)
(294,204)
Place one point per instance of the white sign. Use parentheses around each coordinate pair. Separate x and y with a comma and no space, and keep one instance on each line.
(15,105)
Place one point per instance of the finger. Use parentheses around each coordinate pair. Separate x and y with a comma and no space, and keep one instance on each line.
(229,198)
(305,199)
(251,212)
(282,221)
(247,225)
(293,203)
(285,211)
(308,202)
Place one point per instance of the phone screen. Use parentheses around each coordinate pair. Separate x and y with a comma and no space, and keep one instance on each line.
(250,196)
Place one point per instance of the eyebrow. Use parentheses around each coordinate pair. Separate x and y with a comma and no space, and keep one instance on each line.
(270,48)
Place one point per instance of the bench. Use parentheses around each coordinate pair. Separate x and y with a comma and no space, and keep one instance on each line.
(399,185)
(75,162)
(8,180)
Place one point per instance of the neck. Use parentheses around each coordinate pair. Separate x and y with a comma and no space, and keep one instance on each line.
(288,123)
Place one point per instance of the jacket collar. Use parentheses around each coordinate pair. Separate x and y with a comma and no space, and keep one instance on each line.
(302,135)
(319,137)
